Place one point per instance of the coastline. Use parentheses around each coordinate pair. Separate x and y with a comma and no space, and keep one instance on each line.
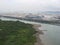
(38,32)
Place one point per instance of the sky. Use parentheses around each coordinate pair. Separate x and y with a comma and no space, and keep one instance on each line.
(29,5)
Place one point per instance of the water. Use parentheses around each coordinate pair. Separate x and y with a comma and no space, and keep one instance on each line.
(50,37)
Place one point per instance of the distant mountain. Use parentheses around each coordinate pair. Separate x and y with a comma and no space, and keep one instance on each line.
(51,12)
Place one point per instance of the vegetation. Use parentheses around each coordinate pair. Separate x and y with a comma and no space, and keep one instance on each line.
(16,33)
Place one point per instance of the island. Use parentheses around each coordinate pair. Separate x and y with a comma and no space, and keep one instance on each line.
(16,33)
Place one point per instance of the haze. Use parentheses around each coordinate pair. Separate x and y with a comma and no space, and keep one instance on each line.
(29,5)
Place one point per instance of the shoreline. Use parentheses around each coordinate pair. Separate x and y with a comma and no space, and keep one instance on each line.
(38,40)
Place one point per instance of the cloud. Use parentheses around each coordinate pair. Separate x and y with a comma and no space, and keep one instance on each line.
(29,5)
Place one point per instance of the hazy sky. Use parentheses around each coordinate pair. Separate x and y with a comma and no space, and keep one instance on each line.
(29,5)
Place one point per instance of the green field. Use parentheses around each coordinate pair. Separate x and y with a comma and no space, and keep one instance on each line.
(16,33)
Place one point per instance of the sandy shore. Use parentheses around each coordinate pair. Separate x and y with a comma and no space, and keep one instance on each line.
(38,42)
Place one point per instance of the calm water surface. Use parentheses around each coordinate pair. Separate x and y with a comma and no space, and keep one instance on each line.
(52,35)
